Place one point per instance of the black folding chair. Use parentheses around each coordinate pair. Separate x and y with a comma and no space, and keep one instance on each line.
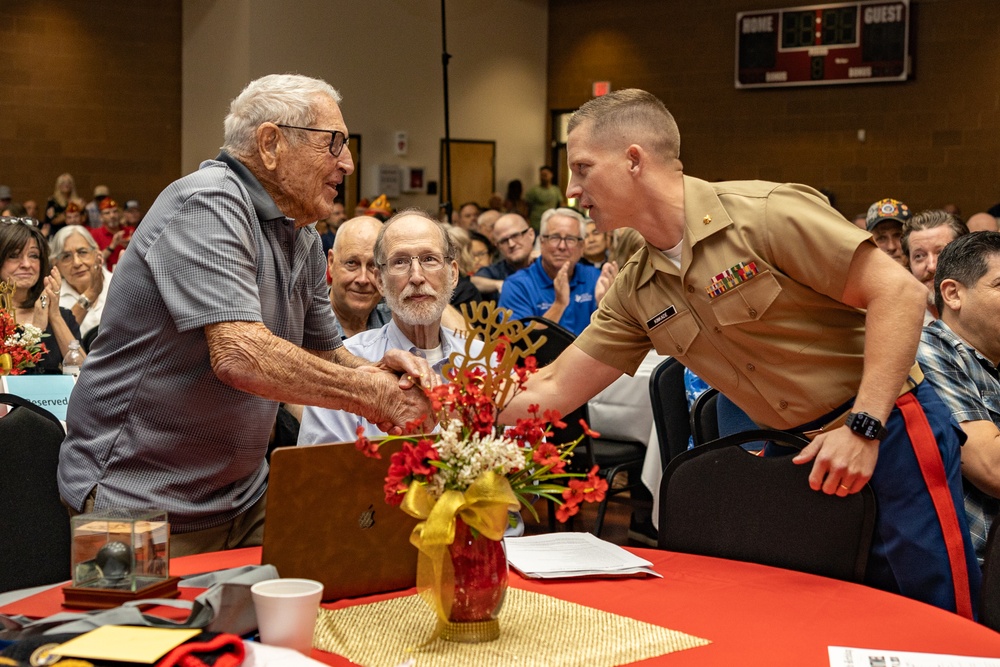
(34,524)
(719,500)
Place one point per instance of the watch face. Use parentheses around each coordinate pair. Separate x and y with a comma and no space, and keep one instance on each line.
(865,425)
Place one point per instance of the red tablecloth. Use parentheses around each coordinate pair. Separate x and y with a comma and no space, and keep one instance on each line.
(753,614)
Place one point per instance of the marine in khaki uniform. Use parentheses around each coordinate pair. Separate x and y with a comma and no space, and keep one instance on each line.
(772,297)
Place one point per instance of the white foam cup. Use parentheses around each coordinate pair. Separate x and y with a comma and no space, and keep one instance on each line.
(286,611)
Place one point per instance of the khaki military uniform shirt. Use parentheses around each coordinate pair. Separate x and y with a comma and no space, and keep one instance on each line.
(780,344)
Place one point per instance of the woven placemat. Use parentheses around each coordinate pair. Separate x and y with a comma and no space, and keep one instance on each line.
(535,629)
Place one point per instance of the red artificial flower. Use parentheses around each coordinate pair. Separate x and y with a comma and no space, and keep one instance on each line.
(366,446)
(553,417)
(566,510)
(416,458)
(591,489)
(547,454)
(414,426)
(587,430)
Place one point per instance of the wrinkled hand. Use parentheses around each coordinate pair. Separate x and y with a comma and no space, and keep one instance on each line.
(609,271)
(394,406)
(844,461)
(412,370)
(561,283)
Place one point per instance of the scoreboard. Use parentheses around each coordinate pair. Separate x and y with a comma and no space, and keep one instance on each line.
(850,42)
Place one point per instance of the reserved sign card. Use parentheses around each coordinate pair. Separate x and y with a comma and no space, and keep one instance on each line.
(48,391)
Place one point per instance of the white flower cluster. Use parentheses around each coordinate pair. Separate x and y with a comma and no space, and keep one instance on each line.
(465,459)
(30,336)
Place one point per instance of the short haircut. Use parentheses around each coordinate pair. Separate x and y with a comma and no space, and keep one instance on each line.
(566,212)
(631,115)
(58,241)
(446,241)
(13,238)
(965,260)
(285,99)
(929,220)
(479,208)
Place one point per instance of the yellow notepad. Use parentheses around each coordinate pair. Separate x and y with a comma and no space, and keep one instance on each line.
(125,643)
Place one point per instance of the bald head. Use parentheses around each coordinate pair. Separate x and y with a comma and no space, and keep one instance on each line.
(982,222)
(351,261)
(357,228)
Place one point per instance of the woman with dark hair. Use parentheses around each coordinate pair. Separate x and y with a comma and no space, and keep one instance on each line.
(25,256)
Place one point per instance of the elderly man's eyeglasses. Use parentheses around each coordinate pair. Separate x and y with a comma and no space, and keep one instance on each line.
(401,266)
(337,138)
(516,236)
(554,240)
(82,254)
(8,220)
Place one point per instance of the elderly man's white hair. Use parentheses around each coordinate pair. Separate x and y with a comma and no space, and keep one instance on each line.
(565,212)
(285,99)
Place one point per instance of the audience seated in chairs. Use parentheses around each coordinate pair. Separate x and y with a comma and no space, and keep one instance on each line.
(416,298)
(557,286)
(25,260)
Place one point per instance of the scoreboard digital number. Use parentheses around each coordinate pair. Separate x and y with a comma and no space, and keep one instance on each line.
(854,42)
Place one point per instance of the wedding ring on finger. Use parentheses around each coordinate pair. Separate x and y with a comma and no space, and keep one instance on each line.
(845,488)
(44,300)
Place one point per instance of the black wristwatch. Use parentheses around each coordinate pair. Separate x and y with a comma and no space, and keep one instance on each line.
(866,426)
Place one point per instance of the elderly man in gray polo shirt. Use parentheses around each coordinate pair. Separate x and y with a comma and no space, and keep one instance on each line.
(219,311)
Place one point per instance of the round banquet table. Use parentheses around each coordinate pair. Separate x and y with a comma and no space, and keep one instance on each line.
(753,614)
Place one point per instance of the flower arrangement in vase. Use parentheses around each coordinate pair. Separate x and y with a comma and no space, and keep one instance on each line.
(463,479)
(20,344)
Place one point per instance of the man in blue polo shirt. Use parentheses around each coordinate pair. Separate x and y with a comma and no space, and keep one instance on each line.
(555,286)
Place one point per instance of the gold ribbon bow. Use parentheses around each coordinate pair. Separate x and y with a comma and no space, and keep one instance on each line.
(483,506)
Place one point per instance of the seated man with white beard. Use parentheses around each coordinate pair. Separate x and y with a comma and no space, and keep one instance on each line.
(416,270)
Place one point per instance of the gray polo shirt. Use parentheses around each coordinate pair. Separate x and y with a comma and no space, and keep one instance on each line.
(150,425)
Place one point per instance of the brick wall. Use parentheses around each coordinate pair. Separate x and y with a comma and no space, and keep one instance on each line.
(92,88)
(930,141)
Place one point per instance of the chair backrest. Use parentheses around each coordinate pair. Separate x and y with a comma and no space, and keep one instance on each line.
(558,339)
(705,417)
(989,605)
(719,500)
(34,524)
(670,408)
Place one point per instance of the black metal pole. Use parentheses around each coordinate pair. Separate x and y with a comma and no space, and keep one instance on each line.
(445,57)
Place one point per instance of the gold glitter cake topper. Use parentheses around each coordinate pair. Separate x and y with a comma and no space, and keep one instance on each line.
(502,337)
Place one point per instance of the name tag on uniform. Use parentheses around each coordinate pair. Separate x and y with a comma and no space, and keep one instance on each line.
(661,317)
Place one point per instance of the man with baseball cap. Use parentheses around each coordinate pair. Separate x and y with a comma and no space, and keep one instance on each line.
(885,222)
